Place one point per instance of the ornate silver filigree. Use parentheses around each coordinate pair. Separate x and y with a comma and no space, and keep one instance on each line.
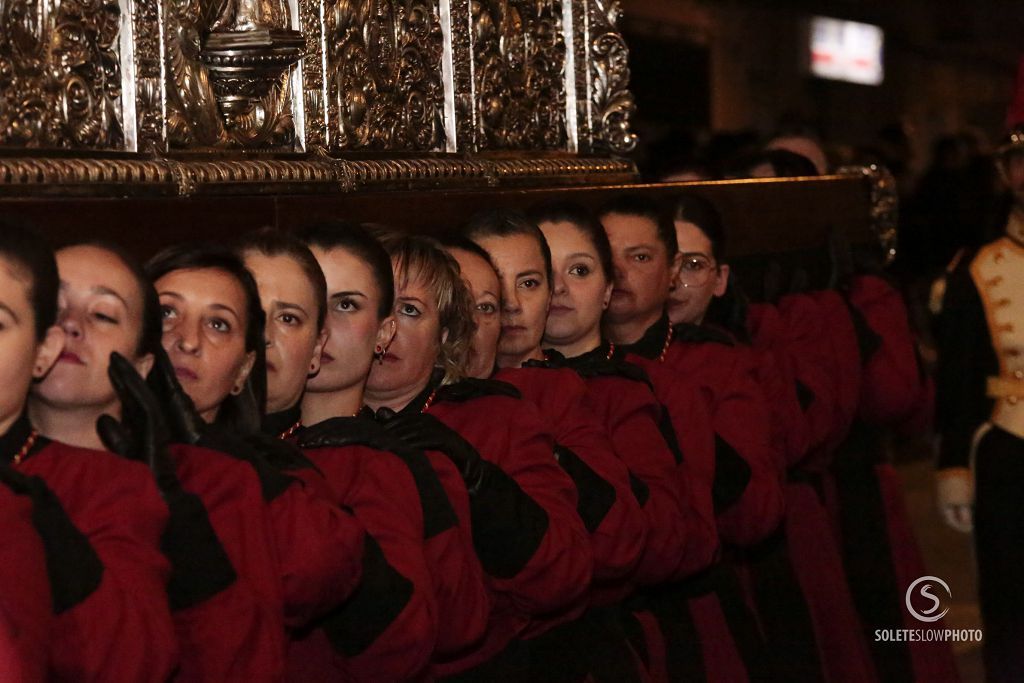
(612,104)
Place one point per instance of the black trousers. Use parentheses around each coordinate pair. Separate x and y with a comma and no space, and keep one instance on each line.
(999,538)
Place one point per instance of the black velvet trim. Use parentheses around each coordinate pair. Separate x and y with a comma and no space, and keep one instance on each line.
(868,341)
(377,602)
(200,567)
(684,657)
(668,432)
(784,615)
(701,334)
(272,481)
(438,513)
(508,525)
(596,363)
(641,491)
(804,395)
(742,623)
(651,344)
(595,495)
(277,423)
(867,554)
(732,475)
(14,439)
(74,569)
(471,388)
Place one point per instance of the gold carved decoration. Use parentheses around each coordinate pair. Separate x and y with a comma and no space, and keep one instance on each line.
(383,78)
(519,62)
(60,76)
(191,96)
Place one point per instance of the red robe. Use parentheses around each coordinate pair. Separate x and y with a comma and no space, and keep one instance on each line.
(25,614)
(895,394)
(388,628)
(607,505)
(840,651)
(741,478)
(122,630)
(533,546)
(239,633)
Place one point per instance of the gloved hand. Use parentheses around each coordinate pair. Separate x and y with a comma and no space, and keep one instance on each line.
(183,420)
(955,492)
(142,434)
(200,567)
(427,433)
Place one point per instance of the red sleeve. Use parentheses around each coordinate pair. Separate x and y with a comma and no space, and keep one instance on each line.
(605,502)
(379,489)
(844,367)
(895,392)
(25,615)
(690,419)
(320,548)
(238,634)
(123,630)
(740,418)
(509,434)
(463,603)
(677,544)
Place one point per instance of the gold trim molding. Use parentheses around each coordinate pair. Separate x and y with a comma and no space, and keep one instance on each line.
(131,175)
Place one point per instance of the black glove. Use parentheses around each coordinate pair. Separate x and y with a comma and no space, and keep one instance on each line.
(427,433)
(200,567)
(72,565)
(183,420)
(142,434)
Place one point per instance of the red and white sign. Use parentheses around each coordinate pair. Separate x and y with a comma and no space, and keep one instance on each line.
(846,51)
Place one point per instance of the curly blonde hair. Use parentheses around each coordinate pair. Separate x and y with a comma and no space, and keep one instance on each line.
(416,258)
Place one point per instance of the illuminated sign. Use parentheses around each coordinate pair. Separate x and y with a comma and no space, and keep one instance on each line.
(846,51)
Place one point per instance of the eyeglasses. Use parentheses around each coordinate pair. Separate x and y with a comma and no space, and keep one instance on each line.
(696,271)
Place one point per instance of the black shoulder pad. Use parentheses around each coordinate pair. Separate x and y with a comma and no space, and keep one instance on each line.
(471,388)
(699,334)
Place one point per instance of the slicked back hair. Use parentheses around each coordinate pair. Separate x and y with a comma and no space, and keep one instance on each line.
(273,243)
(562,211)
(641,206)
(28,252)
(357,240)
(507,223)
(703,214)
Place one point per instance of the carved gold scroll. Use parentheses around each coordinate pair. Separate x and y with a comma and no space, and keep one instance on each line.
(293,94)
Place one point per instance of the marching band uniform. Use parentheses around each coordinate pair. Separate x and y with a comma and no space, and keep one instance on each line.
(981,416)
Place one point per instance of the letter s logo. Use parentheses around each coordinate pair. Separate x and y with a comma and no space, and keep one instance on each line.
(927,615)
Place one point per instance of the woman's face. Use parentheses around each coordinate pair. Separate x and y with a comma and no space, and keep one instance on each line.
(353,326)
(525,295)
(414,351)
(204,321)
(24,357)
(485,289)
(294,344)
(700,277)
(580,289)
(100,311)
